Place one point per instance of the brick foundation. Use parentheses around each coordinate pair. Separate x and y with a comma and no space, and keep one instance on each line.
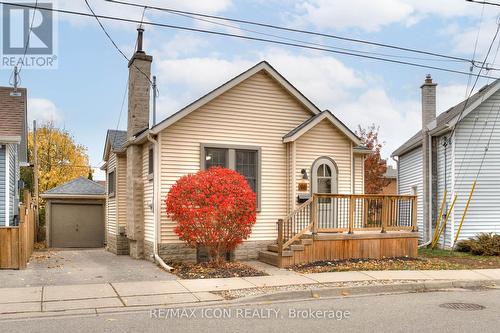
(250,250)
(179,252)
(148,250)
(117,244)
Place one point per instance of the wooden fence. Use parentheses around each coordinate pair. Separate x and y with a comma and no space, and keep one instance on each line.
(16,242)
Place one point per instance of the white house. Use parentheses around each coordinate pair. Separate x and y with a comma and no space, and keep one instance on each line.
(448,154)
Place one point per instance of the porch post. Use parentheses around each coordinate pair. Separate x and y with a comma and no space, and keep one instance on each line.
(280,237)
(352,202)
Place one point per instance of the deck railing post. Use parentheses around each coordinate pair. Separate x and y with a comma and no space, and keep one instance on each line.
(314,215)
(352,203)
(414,214)
(385,214)
(280,236)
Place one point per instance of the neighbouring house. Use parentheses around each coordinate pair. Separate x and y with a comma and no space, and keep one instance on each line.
(13,151)
(391,176)
(75,214)
(257,123)
(448,154)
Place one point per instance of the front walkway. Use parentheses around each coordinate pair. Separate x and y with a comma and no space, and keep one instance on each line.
(142,295)
(81,266)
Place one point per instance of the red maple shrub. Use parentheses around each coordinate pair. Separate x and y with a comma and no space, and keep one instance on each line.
(215,208)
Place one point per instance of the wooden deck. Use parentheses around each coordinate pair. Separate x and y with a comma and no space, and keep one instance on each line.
(329,227)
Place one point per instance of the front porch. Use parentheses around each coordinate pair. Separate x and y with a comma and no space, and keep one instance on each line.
(346,226)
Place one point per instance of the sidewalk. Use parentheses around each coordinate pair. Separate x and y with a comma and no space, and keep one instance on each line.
(123,296)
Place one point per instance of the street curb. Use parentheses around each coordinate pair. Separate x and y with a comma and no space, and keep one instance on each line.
(425,286)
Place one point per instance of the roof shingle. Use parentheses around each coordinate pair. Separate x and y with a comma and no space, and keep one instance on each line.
(78,186)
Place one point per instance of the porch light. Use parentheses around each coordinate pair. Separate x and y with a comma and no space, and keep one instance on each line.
(304,174)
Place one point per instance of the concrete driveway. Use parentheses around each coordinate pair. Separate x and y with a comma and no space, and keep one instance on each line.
(81,266)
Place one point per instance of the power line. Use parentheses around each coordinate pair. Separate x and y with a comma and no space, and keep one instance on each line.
(28,38)
(15,77)
(484,2)
(113,42)
(475,49)
(477,79)
(255,39)
(194,17)
(266,25)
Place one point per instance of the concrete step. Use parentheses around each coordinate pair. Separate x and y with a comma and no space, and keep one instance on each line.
(271,258)
(272,248)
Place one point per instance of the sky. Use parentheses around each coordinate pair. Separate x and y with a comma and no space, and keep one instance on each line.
(84,95)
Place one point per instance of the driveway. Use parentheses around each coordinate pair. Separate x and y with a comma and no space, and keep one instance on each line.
(81,266)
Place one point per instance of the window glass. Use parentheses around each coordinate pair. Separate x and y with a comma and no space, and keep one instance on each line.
(246,165)
(111,183)
(215,157)
(150,161)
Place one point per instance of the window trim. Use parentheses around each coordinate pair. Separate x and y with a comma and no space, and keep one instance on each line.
(112,194)
(231,159)
(151,163)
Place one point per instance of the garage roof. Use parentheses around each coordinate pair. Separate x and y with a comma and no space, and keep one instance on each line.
(79,187)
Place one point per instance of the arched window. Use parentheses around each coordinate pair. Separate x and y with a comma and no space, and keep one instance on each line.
(324,176)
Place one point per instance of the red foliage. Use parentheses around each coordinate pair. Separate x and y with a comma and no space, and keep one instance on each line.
(375,165)
(215,208)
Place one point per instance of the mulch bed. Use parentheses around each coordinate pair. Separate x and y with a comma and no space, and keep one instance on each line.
(211,270)
(421,263)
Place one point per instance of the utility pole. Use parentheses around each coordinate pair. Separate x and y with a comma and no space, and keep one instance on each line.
(35,175)
(154,99)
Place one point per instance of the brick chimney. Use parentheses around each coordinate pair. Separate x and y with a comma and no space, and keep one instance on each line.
(428,151)
(139,69)
(428,101)
(138,120)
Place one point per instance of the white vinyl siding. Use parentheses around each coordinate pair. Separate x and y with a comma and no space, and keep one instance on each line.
(442,183)
(483,214)
(257,112)
(116,206)
(148,195)
(410,176)
(359,174)
(111,201)
(121,191)
(3,182)
(13,177)
(325,140)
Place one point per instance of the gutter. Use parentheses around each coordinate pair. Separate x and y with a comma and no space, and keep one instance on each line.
(156,204)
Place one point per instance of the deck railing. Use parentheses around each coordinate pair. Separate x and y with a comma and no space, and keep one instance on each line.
(324,213)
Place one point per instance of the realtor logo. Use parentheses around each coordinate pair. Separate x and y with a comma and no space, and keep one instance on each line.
(28,35)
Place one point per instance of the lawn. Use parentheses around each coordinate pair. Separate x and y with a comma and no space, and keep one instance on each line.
(427,260)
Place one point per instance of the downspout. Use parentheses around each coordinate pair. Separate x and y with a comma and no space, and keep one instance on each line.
(156,204)
(430,199)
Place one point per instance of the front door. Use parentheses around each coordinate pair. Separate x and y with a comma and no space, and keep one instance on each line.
(324,180)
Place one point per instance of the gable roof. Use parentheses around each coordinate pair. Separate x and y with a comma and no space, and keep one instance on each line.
(13,127)
(261,66)
(79,187)
(298,131)
(446,120)
(115,141)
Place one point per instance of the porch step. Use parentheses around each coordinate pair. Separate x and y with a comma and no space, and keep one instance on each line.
(297,247)
(306,241)
(293,247)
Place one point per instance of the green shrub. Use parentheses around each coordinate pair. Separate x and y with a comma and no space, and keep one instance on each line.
(484,244)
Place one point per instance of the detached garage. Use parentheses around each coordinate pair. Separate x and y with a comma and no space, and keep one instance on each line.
(74,214)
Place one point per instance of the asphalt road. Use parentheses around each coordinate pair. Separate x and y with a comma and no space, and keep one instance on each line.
(417,312)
